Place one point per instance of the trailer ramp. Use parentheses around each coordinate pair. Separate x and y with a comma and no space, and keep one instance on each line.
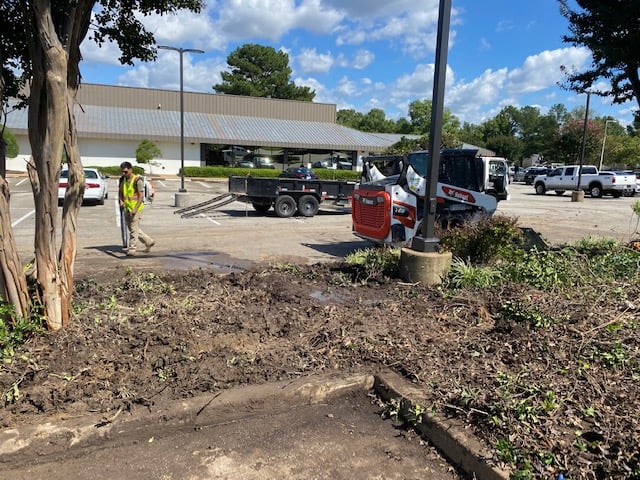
(207,206)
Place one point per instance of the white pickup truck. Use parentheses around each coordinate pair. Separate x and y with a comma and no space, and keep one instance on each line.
(592,181)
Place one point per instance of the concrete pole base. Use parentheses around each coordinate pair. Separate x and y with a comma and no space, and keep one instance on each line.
(428,268)
(181,199)
(577,196)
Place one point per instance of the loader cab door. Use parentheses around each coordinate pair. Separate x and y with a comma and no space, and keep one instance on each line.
(497,180)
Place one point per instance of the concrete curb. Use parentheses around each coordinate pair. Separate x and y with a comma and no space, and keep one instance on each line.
(451,437)
(54,435)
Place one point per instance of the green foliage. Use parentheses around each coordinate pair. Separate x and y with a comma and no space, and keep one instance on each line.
(524,312)
(463,274)
(12,145)
(14,333)
(606,259)
(147,151)
(260,71)
(225,172)
(611,36)
(542,269)
(485,242)
(377,261)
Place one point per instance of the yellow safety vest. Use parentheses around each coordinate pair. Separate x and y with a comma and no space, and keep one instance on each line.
(129,194)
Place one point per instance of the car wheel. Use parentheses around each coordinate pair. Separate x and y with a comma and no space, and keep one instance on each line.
(559,192)
(101,201)
(540,189)
(285,206)
(60,202)
(308,206)
(261,207)
(595,191)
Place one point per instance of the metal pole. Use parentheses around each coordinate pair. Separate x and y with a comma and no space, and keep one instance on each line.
(584,141)
(428,241)
(604,139)
(181,52)
(182,189)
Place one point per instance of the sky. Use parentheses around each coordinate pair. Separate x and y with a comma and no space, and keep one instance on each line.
(364,54)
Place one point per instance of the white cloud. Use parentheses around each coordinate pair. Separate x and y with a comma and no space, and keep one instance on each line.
(312,62)
(107,54)
(543,70)
(468,100)
(165,73)
(347,88)
(271,19)
(363,59)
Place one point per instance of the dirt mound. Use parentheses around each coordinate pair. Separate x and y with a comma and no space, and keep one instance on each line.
(558,390)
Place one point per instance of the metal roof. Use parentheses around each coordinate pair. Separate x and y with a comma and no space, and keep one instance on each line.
(103,122)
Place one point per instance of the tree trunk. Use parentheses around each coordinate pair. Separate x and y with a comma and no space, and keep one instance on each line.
(12,277)
(71,208)
(48,126)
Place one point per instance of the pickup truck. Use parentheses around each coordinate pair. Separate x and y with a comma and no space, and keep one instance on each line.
(593,182)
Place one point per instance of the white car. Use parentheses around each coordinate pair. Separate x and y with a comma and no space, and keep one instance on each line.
(97,189)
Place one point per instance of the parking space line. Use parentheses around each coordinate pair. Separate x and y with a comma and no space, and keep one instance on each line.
(22,181)
(161,183)
(24,217)
(204,184)
(213,221)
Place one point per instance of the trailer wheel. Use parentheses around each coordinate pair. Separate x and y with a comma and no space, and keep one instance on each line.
(285,206)
(261,207)
(308,206)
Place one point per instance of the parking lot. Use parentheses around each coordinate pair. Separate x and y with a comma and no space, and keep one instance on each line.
(235,236)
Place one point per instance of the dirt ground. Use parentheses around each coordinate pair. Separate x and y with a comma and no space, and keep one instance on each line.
(141,339)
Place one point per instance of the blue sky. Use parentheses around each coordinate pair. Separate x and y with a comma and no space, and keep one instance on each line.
(365,54)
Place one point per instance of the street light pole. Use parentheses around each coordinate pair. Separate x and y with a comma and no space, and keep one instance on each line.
(181,51)
(604,139)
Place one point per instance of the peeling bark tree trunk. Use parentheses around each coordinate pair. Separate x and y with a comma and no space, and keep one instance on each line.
(71,208)
(12,277)
(48,126)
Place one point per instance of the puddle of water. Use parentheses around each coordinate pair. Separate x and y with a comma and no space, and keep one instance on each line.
(318,295)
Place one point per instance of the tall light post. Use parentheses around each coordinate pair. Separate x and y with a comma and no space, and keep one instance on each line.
(604,139)
(181,51)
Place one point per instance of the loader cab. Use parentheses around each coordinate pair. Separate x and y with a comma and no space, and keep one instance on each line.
(458,167)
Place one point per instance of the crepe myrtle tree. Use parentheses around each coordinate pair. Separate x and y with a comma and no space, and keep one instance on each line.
(43,38)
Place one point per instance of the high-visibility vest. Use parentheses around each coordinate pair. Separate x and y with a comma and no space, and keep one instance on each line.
(129,193)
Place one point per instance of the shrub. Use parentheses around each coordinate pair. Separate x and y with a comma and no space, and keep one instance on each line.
(485,242)
(377,261)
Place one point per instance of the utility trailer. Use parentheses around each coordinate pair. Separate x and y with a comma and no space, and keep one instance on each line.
(288,195)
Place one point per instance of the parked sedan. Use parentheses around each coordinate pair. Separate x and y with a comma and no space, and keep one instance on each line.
(97,189)
(302,173)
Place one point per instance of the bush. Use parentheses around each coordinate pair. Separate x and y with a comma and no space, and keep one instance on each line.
(225,172)
(485,242)
(377,261)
